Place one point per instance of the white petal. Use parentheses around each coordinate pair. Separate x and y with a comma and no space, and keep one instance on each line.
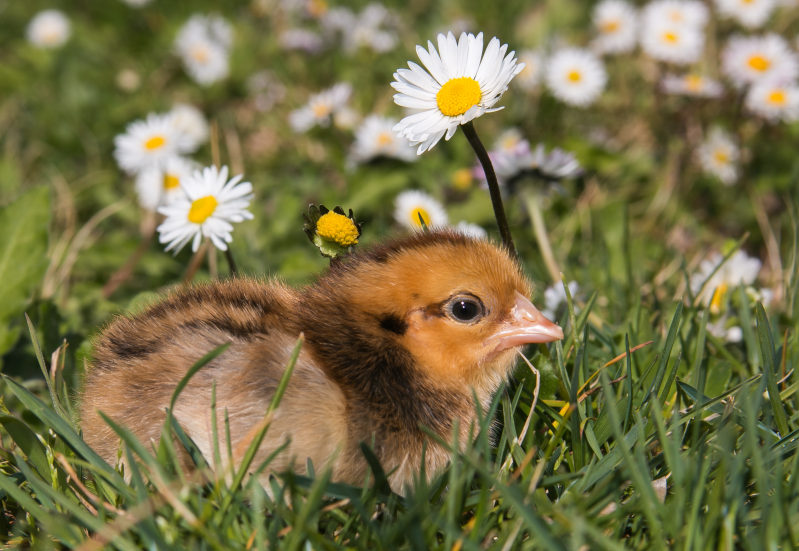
(432,62)
(489,59)
(475,51)
(414,103)
(463,54)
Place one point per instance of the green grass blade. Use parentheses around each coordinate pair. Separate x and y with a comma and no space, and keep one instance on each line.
(769,367)
(202,362)
(27,441)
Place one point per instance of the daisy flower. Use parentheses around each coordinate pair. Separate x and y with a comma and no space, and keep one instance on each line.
(461,83)
(684,13)
(374,138)
(575,76)
(694,85)
(616,23)
(674,43)
(266,89)
(301,39)
(529,78)
(136,3)
(557,164)
(729,334)
(211,203)
(749,13)
(410,205)
(320,108)
(365,30)
(471,230)
(739,269)
(191,122)
(751,59)
(150,143)
(49,29)
(774,100)
(157,186)
(203,43)
(719,156)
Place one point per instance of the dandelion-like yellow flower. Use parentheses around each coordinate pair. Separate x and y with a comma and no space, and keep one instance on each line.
(337,228)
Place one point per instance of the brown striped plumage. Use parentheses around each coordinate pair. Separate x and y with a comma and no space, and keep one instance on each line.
(383,354)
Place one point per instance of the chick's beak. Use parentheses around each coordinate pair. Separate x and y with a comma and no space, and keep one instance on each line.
(526,325)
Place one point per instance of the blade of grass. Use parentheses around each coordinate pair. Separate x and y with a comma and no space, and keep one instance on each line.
(769,367)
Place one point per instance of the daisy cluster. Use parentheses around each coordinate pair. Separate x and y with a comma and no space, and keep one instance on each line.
(203,44)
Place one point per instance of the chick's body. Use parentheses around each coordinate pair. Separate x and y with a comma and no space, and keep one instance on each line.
(395,337)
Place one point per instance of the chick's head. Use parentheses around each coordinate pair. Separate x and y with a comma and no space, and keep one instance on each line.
(459,305)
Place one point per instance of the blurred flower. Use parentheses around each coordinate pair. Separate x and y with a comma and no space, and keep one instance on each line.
(530,77)
(774,100)
(136,3)
(365,30)
(333,232)
(211,204)
(462,179)
(512,157)
(338,19)
(203,44)
(346,118)
(751,59)
(576,76)
(749,13)
(692,14)
(49,29)
(729,334)
(191,122)
(557,164)
(616,23)
(462,86)
(158,186)
(471,230)
(410,205)
(719,156)
(555,297)
(320,108)
(301,39)
(676,43)
(374,138)
(128,80)
(267,89)
(150,143)
(739,269)
(691,85)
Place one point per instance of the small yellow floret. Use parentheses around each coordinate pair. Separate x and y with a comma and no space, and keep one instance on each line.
(337,228)
(458,96)
(416,214)
(155,142)
(202,208)
(718,298)
(759,63)
(777,97)
(171,182)
(609,27)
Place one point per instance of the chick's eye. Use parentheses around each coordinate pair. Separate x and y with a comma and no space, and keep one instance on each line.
(464,309)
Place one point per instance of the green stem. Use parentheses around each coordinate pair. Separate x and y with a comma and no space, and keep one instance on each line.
(531,201)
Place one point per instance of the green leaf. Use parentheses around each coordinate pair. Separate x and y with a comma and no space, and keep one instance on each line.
(27,441)
(769,367)
(202,362)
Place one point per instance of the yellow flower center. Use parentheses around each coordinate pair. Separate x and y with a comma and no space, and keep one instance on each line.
(759,63)
(670,37)
(458,96)
(320,110)
(155,142)
(384,139)
(721,156)
(574,76)
(777,97)
(718,298)
(337,228)
(171,182)
(317,8)
(416,213)
(675,16)
(461,180)
(202,208)
(693,83)
(609,27)
(200,54)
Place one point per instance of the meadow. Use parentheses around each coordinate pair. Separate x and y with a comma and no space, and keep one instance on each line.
(645,160)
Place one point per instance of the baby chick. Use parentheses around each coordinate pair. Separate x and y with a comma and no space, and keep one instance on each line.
(395,337)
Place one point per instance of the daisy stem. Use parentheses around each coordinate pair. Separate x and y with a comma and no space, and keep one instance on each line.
(531,201)
(493,185)
(231,263)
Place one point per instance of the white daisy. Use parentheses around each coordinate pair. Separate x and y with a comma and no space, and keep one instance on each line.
(320,108)
(150,143)
(719,156)
(739,269)
(346,118)
(211,204)
(555,297)
(774,100)
(49,29)
(729,334)
(692,85)
(157,186)
(191,122)
(266,89)
(367,30)
(576,76)
(465,84)
(674,43)
(374,138)
(137,3)
(684,13)
(410,205)
(203,44)
(530,77)
(557,164)
(749,13)
(471,230)
(616,24)
(301,39)
(751,59)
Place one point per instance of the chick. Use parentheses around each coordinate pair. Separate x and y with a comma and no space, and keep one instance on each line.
(396,337)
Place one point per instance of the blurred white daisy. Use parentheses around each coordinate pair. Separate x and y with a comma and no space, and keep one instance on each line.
(157,186)
(211,203)
(512,155)
(616,25)
(576,76)
(203,44)
(530,77)
(191,122)
(374,138)
(749,13)
(774,100)
(370,29)
(320,108)
(739,269)
(719,156)
(150,142)
(729,334)
(557,164)
(301,39)
(471,230)
(465,84)
(49,29)
(555,298)
(691,85)
(671,42)
(410,205)
(751,59)
(683,13)
(266,89)
(136,3)
(346,118)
